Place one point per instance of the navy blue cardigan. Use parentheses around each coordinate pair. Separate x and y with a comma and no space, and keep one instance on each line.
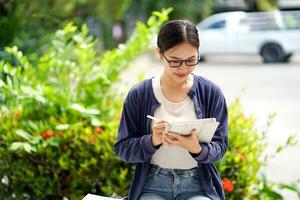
(134,134)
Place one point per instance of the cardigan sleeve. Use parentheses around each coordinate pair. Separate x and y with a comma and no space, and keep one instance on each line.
(217,108)
(132,145)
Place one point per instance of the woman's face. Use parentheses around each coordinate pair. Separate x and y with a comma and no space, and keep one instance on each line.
(174,56)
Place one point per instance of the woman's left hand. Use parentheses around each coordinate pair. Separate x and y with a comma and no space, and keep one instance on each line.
(190,143)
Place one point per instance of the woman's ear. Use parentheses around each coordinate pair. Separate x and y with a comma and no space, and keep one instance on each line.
(158,54)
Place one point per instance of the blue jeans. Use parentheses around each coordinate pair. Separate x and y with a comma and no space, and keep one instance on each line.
(172,184)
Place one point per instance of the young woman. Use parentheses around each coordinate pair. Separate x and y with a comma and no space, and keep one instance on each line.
(168,165)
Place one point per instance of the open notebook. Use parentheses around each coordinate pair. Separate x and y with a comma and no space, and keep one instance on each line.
(205,127)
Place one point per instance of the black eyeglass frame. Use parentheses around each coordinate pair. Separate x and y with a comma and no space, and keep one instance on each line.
(181,61)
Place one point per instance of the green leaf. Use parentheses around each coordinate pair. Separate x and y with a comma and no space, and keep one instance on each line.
(24,134)
(36,140)
(62,127)
(292,140)
(272,193)
(78,108)
(40,99)
(32,125)
(279,149)
(15,146)
(63,163)
(96,122)
(53,143)
(92,111)
(30,92)
(2,83)
(28,148)
(292,187)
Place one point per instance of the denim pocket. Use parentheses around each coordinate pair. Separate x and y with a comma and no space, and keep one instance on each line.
(197,180)
(149,176)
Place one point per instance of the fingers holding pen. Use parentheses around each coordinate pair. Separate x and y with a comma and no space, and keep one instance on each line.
(158,129)
(160,126)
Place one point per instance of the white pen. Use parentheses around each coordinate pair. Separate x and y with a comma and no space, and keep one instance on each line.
(153,118)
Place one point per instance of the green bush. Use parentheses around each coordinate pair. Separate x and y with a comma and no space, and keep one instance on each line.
(242,168)
(59,117)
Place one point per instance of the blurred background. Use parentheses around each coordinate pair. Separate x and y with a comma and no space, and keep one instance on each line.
(66,66)
(29,24)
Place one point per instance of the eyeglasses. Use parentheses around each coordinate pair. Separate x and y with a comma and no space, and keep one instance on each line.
(188,62)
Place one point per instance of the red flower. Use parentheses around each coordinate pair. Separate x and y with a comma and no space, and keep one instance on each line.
(47,134)
(18,115)
(65,147)
(242,157)
(227,185)
(92,140)
(98,130)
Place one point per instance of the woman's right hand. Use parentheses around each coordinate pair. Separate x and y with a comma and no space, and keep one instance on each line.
(158,130)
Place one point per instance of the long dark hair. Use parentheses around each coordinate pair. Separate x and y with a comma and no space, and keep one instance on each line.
(175,32)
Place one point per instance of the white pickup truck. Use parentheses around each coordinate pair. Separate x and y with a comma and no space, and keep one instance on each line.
(273,35)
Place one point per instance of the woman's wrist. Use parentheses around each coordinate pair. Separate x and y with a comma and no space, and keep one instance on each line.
(154,143)
(196,150)
(196,153)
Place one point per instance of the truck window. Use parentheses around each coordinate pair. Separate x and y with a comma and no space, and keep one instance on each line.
(217,25)
(291,19)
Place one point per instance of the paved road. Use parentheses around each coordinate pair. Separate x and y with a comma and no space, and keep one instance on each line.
(263,89)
